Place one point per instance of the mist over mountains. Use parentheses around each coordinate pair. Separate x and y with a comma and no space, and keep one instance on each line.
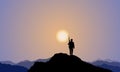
(26,63)
(111,65)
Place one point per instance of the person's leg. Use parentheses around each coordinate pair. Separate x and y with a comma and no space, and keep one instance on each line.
(72,51)
(69,51)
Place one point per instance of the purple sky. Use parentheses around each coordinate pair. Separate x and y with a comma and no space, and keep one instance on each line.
(28,28)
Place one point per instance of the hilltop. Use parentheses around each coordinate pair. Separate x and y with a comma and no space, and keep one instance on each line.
(62,62)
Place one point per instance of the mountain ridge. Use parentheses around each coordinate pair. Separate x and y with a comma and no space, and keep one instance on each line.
(62,62)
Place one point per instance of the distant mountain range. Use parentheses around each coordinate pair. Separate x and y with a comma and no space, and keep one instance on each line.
(26,63)
(12,68)
(7,62)
(112,65)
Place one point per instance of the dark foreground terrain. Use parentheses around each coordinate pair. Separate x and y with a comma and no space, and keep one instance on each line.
(64,63)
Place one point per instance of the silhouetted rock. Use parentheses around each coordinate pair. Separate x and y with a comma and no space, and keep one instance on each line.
(11,68)
(64,63)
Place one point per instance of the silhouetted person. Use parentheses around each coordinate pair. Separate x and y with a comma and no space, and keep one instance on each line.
(71,46)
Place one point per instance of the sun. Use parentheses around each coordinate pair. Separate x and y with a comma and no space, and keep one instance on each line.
(62,36)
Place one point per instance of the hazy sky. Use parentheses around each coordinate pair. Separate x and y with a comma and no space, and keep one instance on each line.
(28,28)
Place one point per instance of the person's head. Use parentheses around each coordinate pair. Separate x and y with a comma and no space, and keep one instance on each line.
(71,40)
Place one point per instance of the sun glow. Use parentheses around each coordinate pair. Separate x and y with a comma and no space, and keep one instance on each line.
(62,36)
